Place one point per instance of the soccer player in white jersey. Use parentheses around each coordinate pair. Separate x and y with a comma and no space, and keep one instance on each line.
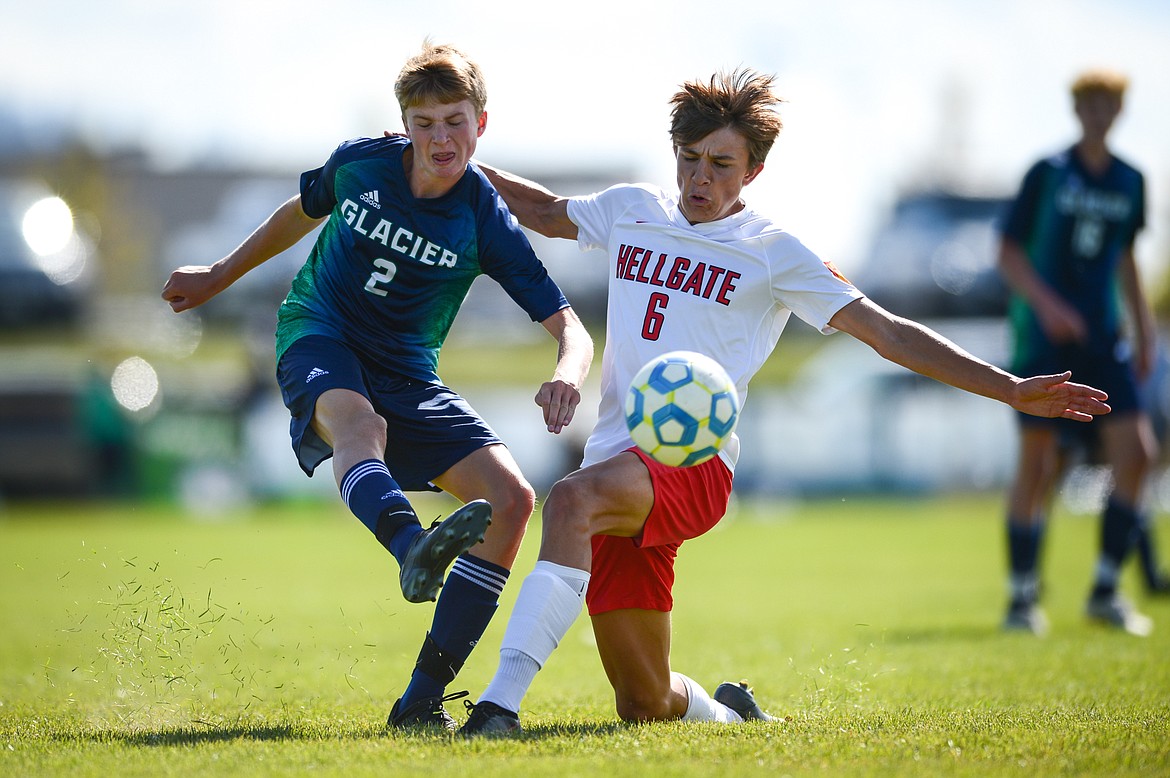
(696,270)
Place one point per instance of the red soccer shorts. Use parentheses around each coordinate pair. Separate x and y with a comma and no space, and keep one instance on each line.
(639,572)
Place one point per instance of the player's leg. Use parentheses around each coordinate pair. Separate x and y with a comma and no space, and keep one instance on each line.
(613,496)
(324,388)
(634,645)
(491,473)
(1155,577)
(1037,470)
(348,422)
(637,508)
(1039,465)
(1132,462)
(1130,449)
(471,593)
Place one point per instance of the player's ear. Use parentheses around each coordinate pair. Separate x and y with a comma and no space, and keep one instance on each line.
(751,174)
(481,124)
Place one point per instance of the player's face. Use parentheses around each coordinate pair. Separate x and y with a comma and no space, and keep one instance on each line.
(711,175)
(1097,111)
(443,137)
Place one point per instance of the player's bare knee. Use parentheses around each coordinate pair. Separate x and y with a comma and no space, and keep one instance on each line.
(512,508)
(642,706)
(568,507)
(369,427)
(573,495)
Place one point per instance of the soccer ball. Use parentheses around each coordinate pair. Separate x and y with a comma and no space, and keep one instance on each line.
(681,408)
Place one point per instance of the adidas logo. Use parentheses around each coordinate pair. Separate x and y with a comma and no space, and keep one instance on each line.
(316,373)
(371,199)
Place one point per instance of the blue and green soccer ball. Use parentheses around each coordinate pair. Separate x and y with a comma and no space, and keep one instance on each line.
(681,408)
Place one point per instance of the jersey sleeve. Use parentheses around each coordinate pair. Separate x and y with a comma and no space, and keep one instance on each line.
(596,214)
(317,186)
(807,285)
(509,259)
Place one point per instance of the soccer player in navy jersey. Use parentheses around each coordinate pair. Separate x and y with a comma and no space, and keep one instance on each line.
(1067,252)
(408,225)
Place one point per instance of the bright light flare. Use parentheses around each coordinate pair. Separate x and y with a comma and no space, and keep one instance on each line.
(58,248)
(135,384)
(48,226)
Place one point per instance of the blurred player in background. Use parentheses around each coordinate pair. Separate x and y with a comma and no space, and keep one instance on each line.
(697,270)
(1067,254)
(408,227)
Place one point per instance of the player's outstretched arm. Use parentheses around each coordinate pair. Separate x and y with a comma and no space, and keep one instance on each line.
(560,396)
(193,285)
(924,351)
(533,206)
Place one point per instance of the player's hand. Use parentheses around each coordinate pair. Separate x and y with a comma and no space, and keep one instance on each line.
(1062,323)
(1055,395)
(559,401)
(189,286)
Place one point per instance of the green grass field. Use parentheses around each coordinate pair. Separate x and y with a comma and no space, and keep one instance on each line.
(137,642)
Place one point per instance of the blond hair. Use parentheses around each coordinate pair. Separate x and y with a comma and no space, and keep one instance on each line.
(442,74)
(1099,81)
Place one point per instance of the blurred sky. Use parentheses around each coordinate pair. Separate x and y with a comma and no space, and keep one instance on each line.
(876,91)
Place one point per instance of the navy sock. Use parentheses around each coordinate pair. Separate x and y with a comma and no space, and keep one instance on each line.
(1119,525)
(1024,541)
(1147,553)
(467,602)
(375,498)
(1118,528)
(398,536)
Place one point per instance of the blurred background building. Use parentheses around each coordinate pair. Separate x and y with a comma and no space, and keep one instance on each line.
(183,129)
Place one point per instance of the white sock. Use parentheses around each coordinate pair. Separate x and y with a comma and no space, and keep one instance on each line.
(1107,572)
(549,602)
(700,706)
(1023,587)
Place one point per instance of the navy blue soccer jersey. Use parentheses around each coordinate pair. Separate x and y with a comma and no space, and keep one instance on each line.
(389,271)
(1075,226)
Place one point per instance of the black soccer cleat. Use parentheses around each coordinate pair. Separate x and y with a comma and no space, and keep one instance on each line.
(427,713)
(738,697)
(486,719)
(1113,610)
(435,548)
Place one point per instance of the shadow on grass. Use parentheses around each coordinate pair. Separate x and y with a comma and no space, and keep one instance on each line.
(579,729)
(576,729)
(188,736)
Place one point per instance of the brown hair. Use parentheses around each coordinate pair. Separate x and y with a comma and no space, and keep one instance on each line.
(742,100)
(1099,81)
(443,74)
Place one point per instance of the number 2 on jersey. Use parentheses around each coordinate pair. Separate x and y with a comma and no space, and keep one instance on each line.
(382,276)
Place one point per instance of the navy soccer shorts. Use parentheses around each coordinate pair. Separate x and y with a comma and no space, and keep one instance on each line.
(1110,371)
(430,428)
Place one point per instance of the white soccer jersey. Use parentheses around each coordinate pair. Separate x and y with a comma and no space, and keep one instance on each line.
(724,289)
